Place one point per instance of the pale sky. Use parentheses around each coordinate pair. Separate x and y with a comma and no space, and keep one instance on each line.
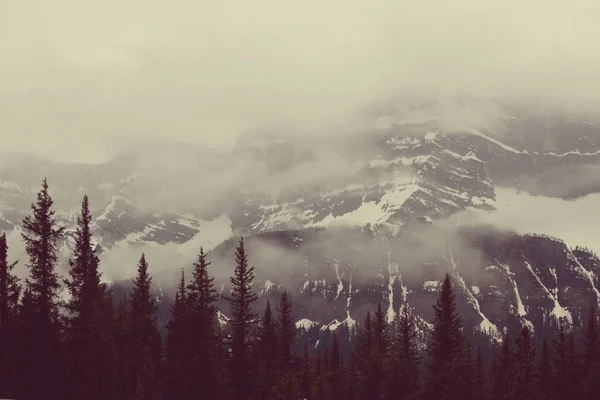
(79,78)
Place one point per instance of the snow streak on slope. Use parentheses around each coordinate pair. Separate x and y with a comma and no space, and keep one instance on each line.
(521,312)
(486,326)
(558,311)
(349,320)
(572,153)
(496,142)
(340,286)
(393,269)
(588,275)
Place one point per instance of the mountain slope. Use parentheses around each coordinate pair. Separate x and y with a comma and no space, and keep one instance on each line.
(503,281)
(411,168)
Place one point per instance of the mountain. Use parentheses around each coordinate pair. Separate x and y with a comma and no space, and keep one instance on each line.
(503,281)
(406,167)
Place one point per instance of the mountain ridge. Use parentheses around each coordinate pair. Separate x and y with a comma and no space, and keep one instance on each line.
(406,176)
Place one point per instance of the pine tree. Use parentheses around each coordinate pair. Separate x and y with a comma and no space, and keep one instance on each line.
(123,338)
(9,285)
(9,298)
(43,340)
(266,356)
(480,376)
(104,342)
(146,344)
(318,390)
(523,377)
(468,373)
(352,386)
(335,371)
(83,322)
(591,340)
(380,352)
(564,362)
(221,367)
(177,378)
(444,346)
(500,370)
(286,389)
(403,377)
(381,333)
(204,350)
(24,352)
(242,320)
(146,386)
(365,355)
(545,372)
(336,357)
(590,387)
(306,373)
(575,363)
(286,331)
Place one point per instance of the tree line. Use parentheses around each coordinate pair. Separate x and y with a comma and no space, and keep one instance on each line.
(94,346)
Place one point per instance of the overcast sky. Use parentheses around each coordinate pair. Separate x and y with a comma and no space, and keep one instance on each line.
(75,75)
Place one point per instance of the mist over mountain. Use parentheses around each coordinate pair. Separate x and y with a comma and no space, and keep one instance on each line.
(413,174)
(318,200)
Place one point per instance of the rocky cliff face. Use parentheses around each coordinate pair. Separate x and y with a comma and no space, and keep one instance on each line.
(503,281)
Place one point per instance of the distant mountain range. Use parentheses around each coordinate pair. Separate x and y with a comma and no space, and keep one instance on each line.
(344,221)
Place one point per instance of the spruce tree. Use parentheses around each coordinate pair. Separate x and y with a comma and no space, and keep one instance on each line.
(286,389)
(123,338)
(468,373)
(335,371)
(336,356)
(306,373)
(381,333)
(444,346)
(146,386)
(591,341)
(365,353)
(9,285)
(523,377)
(590,387)
(380,353)
(105,344)
(565,362)
(480,376)
(83,321)
(23,350)
(352,386)
(501,366)
(243,318)
(146,343)
(286,331)
(221,367)
(403,375)
(9,298)
(44,351)
(575,363)
(318,387)
(177,374)
(545,370)
(202,310)
(266,355)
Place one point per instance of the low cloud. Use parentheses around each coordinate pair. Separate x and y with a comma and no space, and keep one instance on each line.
(79,81)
